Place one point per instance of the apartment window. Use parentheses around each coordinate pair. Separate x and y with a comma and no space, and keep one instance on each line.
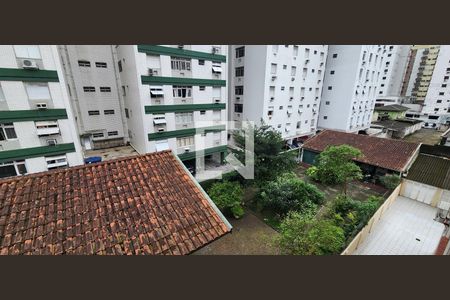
(446,78)
(436,109)
(335,55)
(239,90)
(332,72)
(315,51)
(305,72)
(84,63)
(7,132)
(299,124)
(439,101)
(444,85)
(239,71)
(202,88)
(113,133)
(306,53)
(37,91)
(182,91)
(293,71)
(88,89)
(284,67)
(281,107)
(312,70)
(325,117)
(56,162)
(295,51)
(2,96)
(240,52)
(101,64)
(108,111)
(216,67)
(330,88)
(185,141)
(180,63)
(273,69)
(105,89)
(327,102)
(13,168)
(127,113)
(119,64)
(201,62)
(282,88)
(441,93)
(183,118)
(27,51)
(203,112)
(156,91)
(238,108)
(93,112)
(383,78)
(124,92)
(98,135)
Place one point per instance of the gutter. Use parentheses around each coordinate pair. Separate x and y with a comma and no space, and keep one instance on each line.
(213,205)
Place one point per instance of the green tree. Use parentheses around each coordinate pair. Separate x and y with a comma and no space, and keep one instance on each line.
(390,181)
(270,157)
(228,198)
(335,166)
(304,235)
(288,192)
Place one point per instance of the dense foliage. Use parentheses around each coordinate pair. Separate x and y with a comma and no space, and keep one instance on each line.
(270,158)
(228,198)
(288,192)
(390,181)
(302,234)
(335,166)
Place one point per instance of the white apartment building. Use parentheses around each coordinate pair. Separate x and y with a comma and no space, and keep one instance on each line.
(91,76)
(350,87)
(395,60)
(437,99)
(279,84)
(175,98)
(37,128)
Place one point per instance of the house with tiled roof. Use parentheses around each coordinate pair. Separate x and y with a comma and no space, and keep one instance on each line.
(145,204)
(380,155)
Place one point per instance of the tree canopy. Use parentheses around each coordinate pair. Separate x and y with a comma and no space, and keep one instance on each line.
(228,198)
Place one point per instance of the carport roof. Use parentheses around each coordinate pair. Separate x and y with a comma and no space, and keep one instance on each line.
(431,170)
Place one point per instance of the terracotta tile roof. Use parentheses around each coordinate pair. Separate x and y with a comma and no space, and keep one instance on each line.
(145,204)
(386,153)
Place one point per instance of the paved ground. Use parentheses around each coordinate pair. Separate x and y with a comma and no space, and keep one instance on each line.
(425,136)
(112,153)
(250,236)
(407,228)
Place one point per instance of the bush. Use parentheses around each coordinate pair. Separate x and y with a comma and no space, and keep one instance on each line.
(390,181)
(288,192)
(312,172)
(228,198)
(304,235)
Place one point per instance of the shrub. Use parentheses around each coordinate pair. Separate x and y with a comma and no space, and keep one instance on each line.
(304,235)
(228,198)
(288,192)
(312,172)
(390,181)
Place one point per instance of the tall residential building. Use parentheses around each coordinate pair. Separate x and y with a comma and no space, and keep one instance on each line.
(91,76)
(37,127)
(350,87)
(175,98)
(280,84)
(395,60)
(437,99)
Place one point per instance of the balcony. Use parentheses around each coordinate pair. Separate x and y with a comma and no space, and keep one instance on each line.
(183,100)
(186,125)
(185,149)
(44,128)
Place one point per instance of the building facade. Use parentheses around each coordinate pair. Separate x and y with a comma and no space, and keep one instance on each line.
(175,98)
(350,87)
(91,75)
(279,84)
(37,127)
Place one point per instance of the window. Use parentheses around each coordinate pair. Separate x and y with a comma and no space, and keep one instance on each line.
(327,102)
(13,168)
(7,132)
(315,51)
(444,85)
(105,89)
(281,107)
(108,111)
(182,91)
(293,71)
(441,93)
(325,117)
(439,101)
(156,91)
(306,53)
(335,55)
(330,88)
(88,89)
(201,62)
(239,71)
(2,96)
(332,72)
(127,114)
(217,67)
(239,90)
(202,88)
(238,108)
(180,63)
(113,133)
(119,64)
(98,135)
(240,52)
(55,162)
(183,118)
(203,112)
(124,92)
(295,50)
(284,67)
(27,51)
(93,112)
(282,88)
(101,65)
(37,91)
(273,69)
(185,141)
(84,63)
(305,72)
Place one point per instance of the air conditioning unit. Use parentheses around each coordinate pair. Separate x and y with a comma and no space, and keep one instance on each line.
(51,142)
(180,46)
(41,105)
(217,100)
(29,64)
(186,149)
(215,50)
(161,129)
(238,98)
(152,72)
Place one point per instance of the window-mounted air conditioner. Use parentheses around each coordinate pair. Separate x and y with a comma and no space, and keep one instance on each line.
(216,100)
(152,72)
(161,129)
(41,105)
(29,64)
(186,149)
